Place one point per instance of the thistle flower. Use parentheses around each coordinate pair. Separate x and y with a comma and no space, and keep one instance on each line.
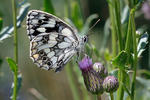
(100,69)
(85,64)
(93,82)
(110,84)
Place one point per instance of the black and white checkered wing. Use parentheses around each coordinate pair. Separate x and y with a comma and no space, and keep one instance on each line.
(52,41)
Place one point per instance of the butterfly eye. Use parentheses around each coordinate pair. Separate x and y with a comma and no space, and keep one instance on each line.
(85,39)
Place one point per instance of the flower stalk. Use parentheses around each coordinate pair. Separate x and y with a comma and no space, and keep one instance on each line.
(15,48)
(135,54)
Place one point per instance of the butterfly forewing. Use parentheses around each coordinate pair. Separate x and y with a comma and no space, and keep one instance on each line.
(52,41)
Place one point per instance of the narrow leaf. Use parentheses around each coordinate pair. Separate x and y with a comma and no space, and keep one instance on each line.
(12,64)
(76,15)
(48,6)
(7,31)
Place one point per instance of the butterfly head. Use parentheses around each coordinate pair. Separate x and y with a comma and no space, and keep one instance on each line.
(85,39)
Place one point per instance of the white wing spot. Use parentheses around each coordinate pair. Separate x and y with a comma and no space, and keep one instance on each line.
(30,26)
(54,59)
(41,29)
(31,17)
(47,50)
(46,45)
(48,25)
(34,13)
(66,32)
(51,54)
(34,21)
(64,45)
(52,21)
(52,43)
(41,17)
(31,31)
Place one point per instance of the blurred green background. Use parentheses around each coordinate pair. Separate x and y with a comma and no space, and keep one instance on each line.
(49,84)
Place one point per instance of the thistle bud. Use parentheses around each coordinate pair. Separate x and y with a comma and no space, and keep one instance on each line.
(100,69)
(110,84)
(92,81)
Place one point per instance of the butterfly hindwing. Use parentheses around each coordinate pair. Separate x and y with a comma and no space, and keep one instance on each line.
(52,41)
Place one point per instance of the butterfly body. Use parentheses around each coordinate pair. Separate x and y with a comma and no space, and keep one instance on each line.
(52,41)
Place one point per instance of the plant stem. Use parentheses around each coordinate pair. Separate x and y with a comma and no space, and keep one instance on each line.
(118,23)
(15,48)
(121,80)
(135,55)
(113,29)
(128,40)
(111,96)
(72,82)
(15,31)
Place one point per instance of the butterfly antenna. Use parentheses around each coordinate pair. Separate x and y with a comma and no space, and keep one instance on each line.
(92,27)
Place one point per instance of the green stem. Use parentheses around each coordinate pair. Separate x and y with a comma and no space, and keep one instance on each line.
(72,82)
(113,29)
(128,40)
(15,48)
(135,55)
(118,23)
(121,80)
(111,96)
(15,31)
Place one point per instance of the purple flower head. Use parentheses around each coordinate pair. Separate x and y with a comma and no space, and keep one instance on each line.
(85,64)
(110,84)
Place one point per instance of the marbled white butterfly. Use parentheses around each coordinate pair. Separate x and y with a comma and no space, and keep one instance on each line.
(52,41)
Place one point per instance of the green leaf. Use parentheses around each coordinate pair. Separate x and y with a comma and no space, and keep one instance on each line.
(1,23)
(76,15)
(48,6)
(120,60)
(7,31)
(12,64)
(142,44)
(87,23)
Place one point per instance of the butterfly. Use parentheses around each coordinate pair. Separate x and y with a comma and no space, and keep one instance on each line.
(52,41)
